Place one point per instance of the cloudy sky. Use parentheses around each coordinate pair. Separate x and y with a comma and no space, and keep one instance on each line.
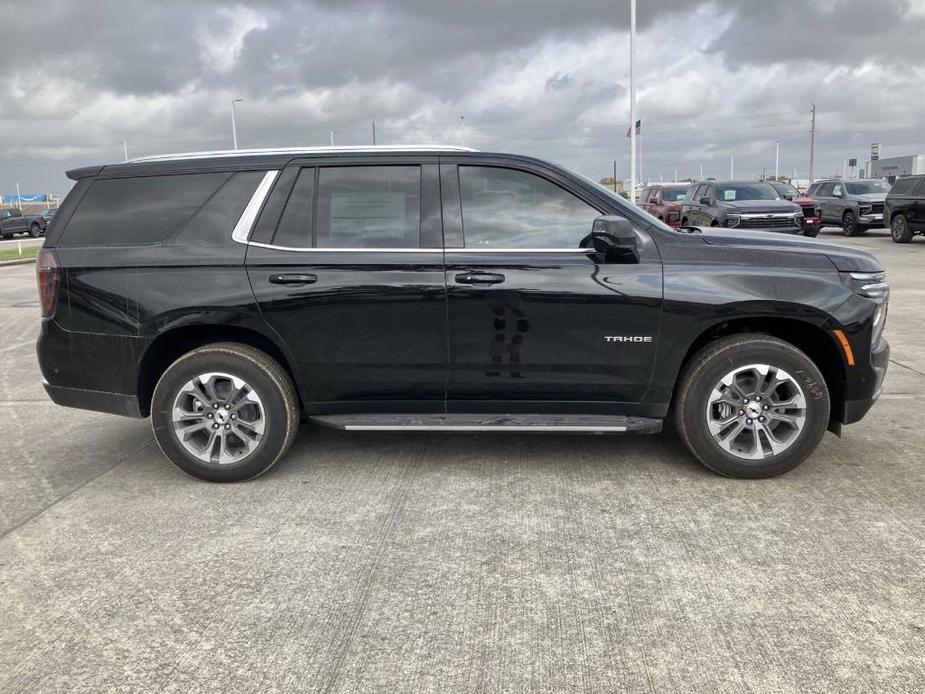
(543,77)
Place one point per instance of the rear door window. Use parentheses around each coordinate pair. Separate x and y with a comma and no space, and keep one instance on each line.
(368,207)
(142,210)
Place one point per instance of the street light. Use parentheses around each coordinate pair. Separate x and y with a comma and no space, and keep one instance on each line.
(462,130)
(234,124)
(777,160)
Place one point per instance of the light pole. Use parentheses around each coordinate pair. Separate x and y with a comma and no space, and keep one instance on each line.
(633,101)
(234,122)
(125,149)
(462,130)
(777,160)
(732,166)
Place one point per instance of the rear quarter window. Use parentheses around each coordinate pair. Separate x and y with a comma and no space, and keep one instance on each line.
(143,210)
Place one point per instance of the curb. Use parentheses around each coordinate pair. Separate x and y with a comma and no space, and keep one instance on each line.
(24,261)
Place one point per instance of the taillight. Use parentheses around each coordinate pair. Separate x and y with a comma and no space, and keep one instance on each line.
(48,272)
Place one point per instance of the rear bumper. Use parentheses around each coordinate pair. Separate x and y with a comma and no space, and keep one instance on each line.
(98,401)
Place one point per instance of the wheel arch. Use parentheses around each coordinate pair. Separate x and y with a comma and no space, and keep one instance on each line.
(168,346)
(814,340)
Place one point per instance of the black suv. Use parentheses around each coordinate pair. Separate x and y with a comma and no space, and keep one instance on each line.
(740,205)
(904,209)
(228,295)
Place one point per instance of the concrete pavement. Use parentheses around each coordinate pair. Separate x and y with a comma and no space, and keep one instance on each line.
(461,563)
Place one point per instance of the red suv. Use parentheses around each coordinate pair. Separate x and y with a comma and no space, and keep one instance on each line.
(812,213)
(663,200)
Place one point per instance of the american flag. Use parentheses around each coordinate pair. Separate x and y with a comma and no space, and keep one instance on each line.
(638,128)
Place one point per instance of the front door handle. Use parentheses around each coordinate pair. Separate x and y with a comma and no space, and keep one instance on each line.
(293,280)
(479,278)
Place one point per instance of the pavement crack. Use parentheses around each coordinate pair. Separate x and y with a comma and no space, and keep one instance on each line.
(899,363)
(32,516)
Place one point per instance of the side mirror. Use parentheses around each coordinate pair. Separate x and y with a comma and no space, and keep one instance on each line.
(705,201)
(614,238)
(789,197)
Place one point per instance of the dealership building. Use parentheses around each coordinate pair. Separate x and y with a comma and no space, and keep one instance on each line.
(894,167)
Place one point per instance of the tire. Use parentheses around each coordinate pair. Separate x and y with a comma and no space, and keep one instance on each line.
(270,421)
(35,230)
(684,222)
(811,232)
(700,385)
(900,230)
(850,225)
(6,237)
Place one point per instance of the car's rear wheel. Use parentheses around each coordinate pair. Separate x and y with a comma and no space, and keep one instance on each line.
(35,230)
(850,225)
(751,406)
(225,412)
(900,230)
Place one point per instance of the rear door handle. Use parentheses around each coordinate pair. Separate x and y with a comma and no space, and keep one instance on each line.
(293,280)
(479,278)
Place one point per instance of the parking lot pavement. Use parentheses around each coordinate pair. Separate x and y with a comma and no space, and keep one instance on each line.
(451,563)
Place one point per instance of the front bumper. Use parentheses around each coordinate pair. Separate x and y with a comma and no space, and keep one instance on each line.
(874,218)
(879,361)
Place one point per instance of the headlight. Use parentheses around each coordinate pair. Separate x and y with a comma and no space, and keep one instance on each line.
(873,285)
(733,220)
(818,212)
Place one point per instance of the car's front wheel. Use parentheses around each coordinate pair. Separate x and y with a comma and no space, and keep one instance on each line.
(751,406)
(900,230)
(225,412)
(850,225)
(35,230)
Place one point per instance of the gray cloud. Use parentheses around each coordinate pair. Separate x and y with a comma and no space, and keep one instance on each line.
(545,77)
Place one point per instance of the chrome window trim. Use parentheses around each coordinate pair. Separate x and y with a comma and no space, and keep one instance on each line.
(273,247)
(242,230)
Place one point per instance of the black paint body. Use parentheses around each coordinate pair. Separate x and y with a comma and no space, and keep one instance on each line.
(396,331)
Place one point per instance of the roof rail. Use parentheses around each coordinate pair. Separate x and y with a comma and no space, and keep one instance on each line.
(360,149)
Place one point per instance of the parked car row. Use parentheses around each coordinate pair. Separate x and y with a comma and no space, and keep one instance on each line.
(855,205)
(735,205)
(13,221)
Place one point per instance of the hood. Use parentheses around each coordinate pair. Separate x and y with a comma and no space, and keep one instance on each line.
(871,197)
(803,200)
(760,205)
(844,258)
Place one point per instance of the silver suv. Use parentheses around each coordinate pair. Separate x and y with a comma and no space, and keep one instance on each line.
(854,205)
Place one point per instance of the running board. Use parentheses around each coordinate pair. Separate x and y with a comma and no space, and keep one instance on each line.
(596,424)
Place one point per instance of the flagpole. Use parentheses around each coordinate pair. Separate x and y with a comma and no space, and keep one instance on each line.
(633,101)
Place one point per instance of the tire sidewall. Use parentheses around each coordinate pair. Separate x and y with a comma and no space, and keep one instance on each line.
(693,419)
(214,360)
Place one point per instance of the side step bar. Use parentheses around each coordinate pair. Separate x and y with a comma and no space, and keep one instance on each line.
(594,424)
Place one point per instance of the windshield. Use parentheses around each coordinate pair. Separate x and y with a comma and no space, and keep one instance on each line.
(786,189)
(745,191)
(50,212)
(867,187)
(673,194)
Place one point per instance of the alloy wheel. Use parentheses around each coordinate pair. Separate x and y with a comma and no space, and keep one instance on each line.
(218,418)
(756,412)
